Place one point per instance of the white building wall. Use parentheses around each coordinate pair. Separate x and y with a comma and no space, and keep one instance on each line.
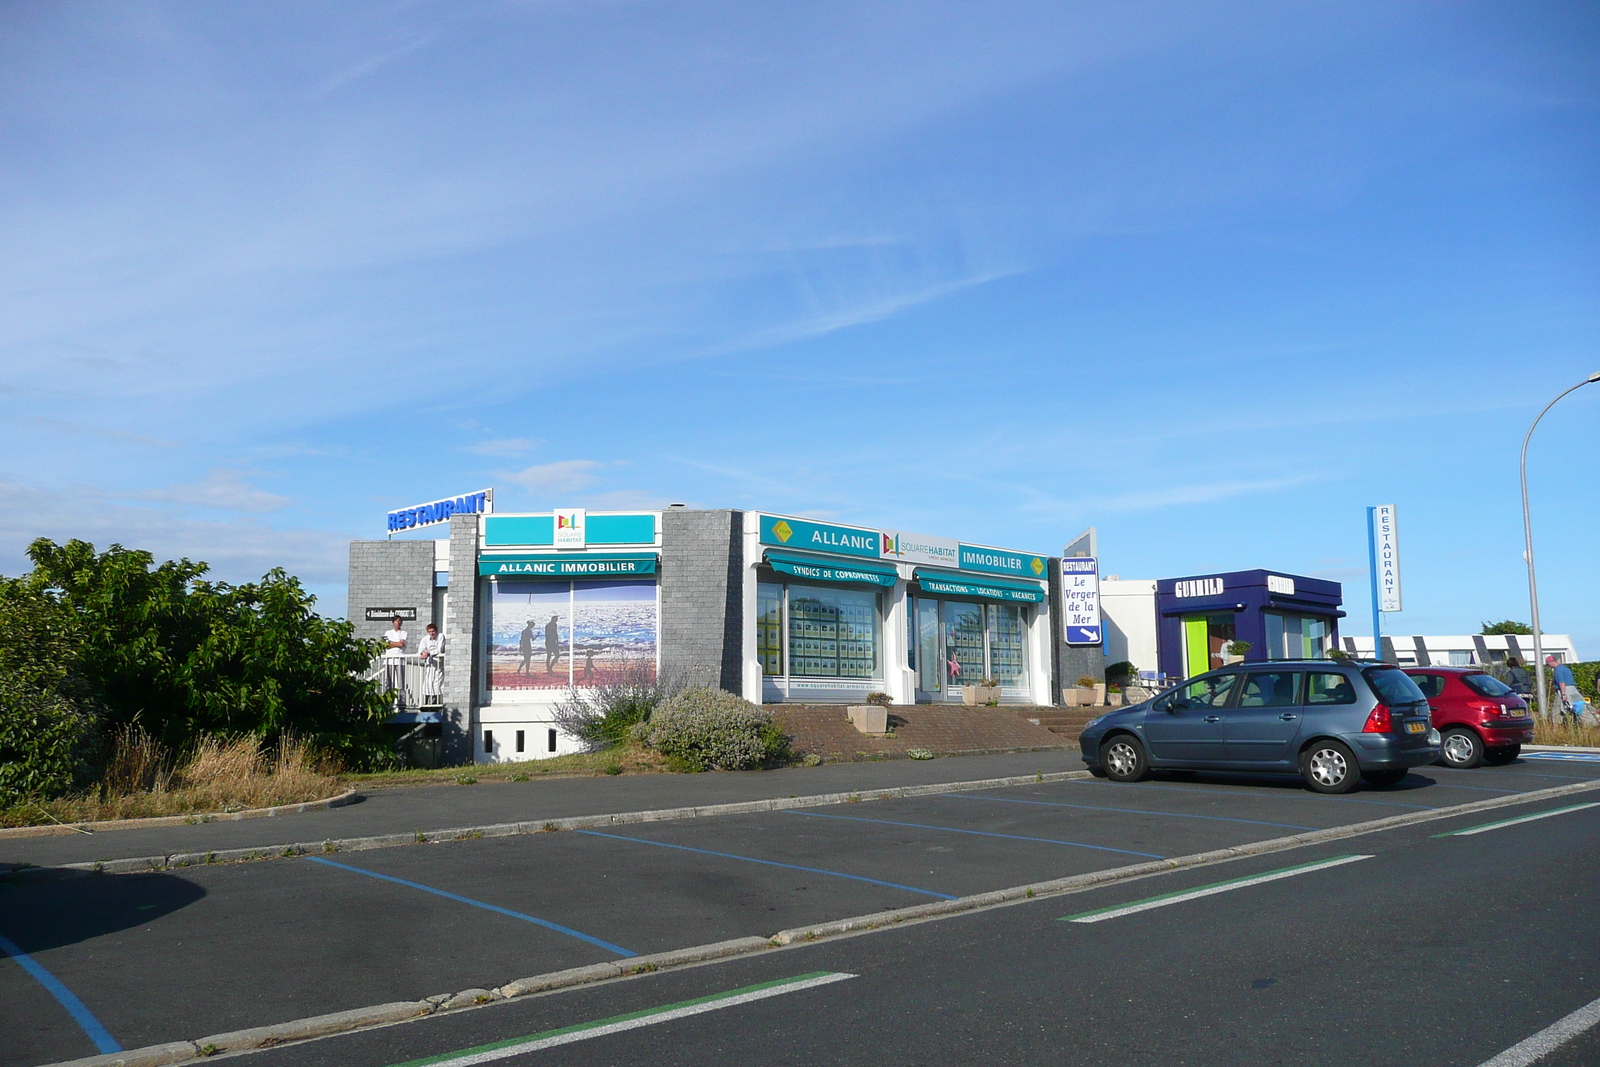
(1462,649)
(1128,610)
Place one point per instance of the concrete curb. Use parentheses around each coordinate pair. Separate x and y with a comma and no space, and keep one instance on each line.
(56,830)
(170,861)
(1558,748)
(382,1014)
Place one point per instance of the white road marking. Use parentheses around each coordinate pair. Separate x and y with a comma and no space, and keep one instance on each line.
(1469,831)
(1549,1039)
(1209,890)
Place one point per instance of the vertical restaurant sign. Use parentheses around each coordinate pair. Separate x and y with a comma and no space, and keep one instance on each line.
(820,537)
(1386,529)
(479,503)
(1080,600)
(569,526)
(919,548)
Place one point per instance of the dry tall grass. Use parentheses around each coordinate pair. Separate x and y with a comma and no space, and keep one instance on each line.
(144,778)
(1565,733)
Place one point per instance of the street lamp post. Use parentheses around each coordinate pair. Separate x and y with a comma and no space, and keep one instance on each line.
(1527,536)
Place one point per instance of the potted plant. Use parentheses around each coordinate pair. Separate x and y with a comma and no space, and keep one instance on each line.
(1114,694)
(1234,651)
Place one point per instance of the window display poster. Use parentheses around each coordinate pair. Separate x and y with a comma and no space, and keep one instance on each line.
(557,635)
(1080,600)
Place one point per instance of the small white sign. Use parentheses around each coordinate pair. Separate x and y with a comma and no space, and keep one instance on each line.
(920,548)
(1080,600)
(1279,584)
(1386,529)
(569,528)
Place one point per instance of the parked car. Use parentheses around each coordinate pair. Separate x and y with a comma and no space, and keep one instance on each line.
(1480,719)
(1332,723)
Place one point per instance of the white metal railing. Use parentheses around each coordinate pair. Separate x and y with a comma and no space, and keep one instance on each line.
(411,681)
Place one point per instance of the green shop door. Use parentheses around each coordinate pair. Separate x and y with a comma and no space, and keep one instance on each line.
(1204,638)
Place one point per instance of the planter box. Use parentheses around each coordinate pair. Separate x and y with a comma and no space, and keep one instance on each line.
(869,718)
(977,695)
(1070,697)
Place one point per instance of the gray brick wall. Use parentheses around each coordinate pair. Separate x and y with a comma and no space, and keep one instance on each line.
(390,574)
(702,597)
(1071,661)
(461,660)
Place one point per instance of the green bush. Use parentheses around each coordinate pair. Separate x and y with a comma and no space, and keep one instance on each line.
(1121,673)
(1585,674)
(709,729)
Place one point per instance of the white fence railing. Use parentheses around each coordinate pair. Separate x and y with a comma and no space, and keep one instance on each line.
(411,681)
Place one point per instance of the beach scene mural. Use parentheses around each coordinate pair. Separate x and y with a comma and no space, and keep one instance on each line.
(556,635)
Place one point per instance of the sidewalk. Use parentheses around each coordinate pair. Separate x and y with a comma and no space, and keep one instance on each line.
(444,807)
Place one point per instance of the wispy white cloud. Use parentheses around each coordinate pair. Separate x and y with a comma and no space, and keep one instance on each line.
(510,446)
(223,490)
(565,474)
(103,432)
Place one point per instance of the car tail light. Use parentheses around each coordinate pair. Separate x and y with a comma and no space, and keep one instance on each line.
(1488,709)
(1379,721)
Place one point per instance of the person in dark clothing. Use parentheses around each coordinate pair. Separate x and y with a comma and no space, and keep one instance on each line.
(552,644)
(525,649)
(1518,678)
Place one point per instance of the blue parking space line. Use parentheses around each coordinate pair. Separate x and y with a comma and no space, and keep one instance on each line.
(1126,811)
(103,1041)
(1319,797)
(770,863)
(976,833)
(546,923)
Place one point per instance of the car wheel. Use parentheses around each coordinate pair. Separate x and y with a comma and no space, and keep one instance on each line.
(1498,756)
(1383,777)
(1123,758)
(1460,748)
(1330,767)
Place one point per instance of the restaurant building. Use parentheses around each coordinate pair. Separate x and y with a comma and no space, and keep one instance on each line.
(778,609)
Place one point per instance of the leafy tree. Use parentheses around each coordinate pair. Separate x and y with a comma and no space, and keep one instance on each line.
(49,738)
(1506,626)
(161,646)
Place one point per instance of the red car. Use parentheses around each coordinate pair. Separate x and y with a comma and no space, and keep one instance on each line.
(1479,718)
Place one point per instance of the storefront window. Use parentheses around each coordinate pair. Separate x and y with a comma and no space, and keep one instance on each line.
(956,643)
(827,632)
(769,627)
(1296,636)
(556,635)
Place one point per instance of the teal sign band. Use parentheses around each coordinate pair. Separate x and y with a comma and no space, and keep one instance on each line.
(824,571)
(635,529)
(988,589)
(586,565)
(999,561)
(820,537)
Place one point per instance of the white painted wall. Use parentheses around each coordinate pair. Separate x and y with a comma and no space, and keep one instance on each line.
(1128,610)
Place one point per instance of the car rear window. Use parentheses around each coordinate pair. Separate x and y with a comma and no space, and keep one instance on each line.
(1393,685)
(1430,684)
(1486,685)
(1329,689)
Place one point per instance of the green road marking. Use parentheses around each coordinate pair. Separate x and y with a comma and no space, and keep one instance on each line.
(1099,914)
(632,1020)
(1512,822)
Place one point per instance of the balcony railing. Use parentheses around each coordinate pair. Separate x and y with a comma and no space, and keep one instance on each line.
(414,684)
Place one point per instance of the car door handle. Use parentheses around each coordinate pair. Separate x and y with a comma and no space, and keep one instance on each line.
(1286,717)
(1212,718)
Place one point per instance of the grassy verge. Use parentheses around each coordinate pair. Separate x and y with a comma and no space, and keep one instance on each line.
(143,780)
(1548,733)
(630,758)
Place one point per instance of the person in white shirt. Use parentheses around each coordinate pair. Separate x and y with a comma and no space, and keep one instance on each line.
(394,657)
(430,650)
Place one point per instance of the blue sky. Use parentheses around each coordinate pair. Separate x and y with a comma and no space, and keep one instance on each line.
(1210,277)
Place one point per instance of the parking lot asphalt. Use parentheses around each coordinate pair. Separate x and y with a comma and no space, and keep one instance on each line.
(436,807)
(1434,951)
(176,955)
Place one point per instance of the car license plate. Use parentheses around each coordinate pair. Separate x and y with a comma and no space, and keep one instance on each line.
(1416,727)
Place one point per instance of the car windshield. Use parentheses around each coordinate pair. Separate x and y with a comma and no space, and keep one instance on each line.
(1393,685)
(1486,685)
